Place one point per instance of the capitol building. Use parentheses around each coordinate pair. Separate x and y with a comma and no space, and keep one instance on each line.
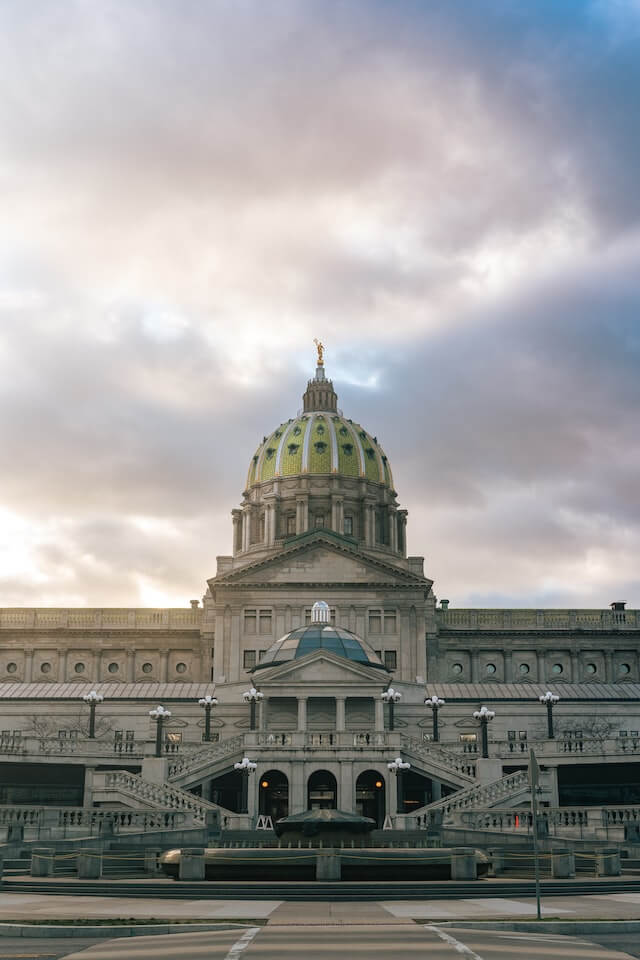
(320,653)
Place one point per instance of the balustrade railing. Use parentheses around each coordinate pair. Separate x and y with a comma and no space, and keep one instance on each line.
(162,795)
(322,739)
(204,756)
(433,751)
(559,821)
(85,821)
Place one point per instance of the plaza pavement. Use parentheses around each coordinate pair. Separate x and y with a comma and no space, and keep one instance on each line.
(16,907)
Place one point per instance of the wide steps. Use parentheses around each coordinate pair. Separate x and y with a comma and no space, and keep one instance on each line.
(312,891)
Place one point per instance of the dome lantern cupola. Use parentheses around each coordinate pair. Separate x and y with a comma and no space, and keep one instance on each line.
(320,394)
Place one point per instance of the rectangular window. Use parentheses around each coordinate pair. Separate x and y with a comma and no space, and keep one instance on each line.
(129,735)
(62,734)
(117,735)
(389,622)
(375,621)
(319,520)
(174,736)
(291,523)
(249,659)
(348,526)
(390,659)
(261,654)
(522,734)
(214,737)
(467,737)
(621,733)
(250,622)
(265,621)
(511,734)
(378,654)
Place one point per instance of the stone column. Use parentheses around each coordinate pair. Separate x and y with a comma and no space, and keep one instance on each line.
(540,663)
(297,788)
(236,516)
(346,798)
(340,714)
(246,527)
(608,668)
(507,666)
(475,667)
(234,648)
(28,666)
(402,546)
(302,714)
(164,665)
(262,714)
(130,666)
(393,529)
(574,668)
(378,707)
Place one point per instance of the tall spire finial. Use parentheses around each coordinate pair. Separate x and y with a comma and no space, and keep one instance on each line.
(320,349)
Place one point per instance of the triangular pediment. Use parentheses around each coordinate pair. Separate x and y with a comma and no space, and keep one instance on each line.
(318,668)
(319,558)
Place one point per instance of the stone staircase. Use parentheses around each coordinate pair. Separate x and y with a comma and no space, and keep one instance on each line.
(478,796)
(187,770)
(129,789)
(450,768)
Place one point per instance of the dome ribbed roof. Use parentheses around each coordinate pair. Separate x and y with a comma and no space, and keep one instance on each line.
(320,443)
(320,636)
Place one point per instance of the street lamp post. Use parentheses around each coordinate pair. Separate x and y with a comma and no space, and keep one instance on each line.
(484,716)
(391,697)
(549,699)
(397,767)
(207,703)
(92,698)
(253,697)
(245,767)
(159,715)
(435,703)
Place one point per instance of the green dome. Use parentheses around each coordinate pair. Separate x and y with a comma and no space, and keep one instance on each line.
(320,443)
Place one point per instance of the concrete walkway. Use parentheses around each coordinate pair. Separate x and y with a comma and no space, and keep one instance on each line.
(15,907)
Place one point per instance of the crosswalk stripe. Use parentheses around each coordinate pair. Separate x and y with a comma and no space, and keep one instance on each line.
(242,943)
(460,947)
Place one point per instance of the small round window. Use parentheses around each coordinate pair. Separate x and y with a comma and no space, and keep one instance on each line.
(113,668)
(456,668)
(624,669)
(557,668)
(181,668)
(524,669)
(12,667)
(491,668)
(79,668)
(147,667)
(45,667)
(591,668)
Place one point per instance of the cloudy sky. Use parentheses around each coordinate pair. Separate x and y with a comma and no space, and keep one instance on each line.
(446,193)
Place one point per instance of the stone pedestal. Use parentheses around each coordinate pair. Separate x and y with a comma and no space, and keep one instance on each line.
(328,865)
(154,769)
(42,859)
(497,862)
(563,864)
(151,861)
(89,864)
(192,863)
(463,863)
(608,862)
(212,823)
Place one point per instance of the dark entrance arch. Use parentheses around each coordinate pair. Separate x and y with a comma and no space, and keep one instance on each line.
(370,796)
(273,795)
(322,791)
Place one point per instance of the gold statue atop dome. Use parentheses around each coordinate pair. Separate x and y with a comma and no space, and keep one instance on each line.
(320,349)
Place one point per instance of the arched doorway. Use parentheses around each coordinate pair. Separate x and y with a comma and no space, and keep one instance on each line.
(273,795)
(322,791)
(370,796)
